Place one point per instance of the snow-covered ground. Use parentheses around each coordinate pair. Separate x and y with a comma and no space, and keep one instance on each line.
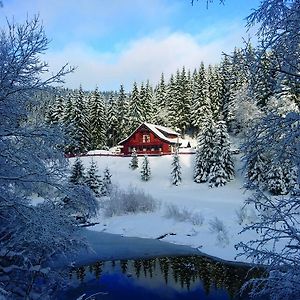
(221,203)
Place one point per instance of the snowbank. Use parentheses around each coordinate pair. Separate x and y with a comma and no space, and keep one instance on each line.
(214,204)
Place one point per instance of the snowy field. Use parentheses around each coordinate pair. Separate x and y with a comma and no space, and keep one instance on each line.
(215,237)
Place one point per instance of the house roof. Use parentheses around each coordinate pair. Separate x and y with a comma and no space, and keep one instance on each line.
(157,130)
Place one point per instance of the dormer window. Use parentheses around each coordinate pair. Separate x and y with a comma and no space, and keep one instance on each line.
(146,138)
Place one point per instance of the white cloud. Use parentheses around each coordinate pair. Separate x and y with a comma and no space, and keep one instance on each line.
(141,59)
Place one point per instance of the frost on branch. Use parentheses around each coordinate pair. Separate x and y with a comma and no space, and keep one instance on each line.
(31,162)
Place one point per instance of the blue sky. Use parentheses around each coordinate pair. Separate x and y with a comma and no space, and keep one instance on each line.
(121,41)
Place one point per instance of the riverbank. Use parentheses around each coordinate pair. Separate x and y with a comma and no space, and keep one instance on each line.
(108,247)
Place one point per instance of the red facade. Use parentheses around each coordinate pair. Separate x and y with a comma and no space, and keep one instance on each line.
(149,140)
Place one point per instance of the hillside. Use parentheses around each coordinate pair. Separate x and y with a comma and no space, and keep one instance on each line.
(195,207)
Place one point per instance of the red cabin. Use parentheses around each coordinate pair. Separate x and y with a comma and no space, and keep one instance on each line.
(150,139)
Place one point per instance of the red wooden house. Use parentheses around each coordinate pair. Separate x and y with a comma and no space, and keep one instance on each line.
(150,139)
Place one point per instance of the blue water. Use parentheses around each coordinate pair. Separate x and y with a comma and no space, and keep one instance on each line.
(172,278)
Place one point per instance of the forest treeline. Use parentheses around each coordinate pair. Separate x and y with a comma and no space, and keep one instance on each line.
(208,102)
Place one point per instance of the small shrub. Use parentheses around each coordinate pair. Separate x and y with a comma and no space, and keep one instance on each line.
(183,215)
(246,215)
(132,201)
(218,227)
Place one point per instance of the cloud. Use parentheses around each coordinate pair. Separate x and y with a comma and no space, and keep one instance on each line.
(141,59)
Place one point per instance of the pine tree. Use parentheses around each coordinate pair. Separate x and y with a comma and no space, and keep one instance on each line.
(134,163)
(97,120)
(222,167)
(201,110)
(136,114)
(149,102)
(56,112)
(106,183)
(92,180)
(122,114)
(179,106)
(256,171)
(275,181)
(77,172)
(214,90)
(112,120)
(145,171)
(205,153)
(79,124)
(176,169)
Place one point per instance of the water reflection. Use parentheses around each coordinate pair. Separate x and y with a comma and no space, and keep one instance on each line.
(189,277)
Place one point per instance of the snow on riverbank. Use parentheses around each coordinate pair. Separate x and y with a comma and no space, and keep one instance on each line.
(211,203)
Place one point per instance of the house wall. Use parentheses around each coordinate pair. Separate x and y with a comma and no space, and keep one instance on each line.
(144,145)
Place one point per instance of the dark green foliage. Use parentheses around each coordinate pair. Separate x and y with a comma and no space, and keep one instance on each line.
(176,169)
(77,172)
(145,170)
(106,183)
(134,163)
(92,180)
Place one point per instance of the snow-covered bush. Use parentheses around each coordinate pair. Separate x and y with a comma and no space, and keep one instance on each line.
(106,185)
(183,215)
(132,201)
(245,215)
(176,169)
(134,163)
(145,171)
(218,227)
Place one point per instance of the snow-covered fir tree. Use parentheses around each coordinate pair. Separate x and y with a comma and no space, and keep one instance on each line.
(112,120)
(256,171)
(222,166)
(145,170)
(275,181)
(77,172)
(135,109)
(92,179)
(56,113)
(79,124)
(205,153)
(122,114)
(160,103)
(106,186)
(134,162)
(176,169)
(201,110)
(97,120)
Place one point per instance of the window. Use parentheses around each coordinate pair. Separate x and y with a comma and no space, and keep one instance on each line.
(146,138)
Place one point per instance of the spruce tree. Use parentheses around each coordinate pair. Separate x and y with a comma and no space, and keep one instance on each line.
(93,180)
(205,153)
(275,181)
(112,120)
(160,107)
(222,167)
(97,120)
(201,110)
(176,169)
(56,112)
(149,103)
(136,114)
(134,163)
(79,124)
(122,114)
(145,171)
(256,171)
(106,183)
(77,172)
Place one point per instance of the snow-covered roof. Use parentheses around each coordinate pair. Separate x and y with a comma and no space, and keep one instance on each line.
(162,128)
(157,130)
